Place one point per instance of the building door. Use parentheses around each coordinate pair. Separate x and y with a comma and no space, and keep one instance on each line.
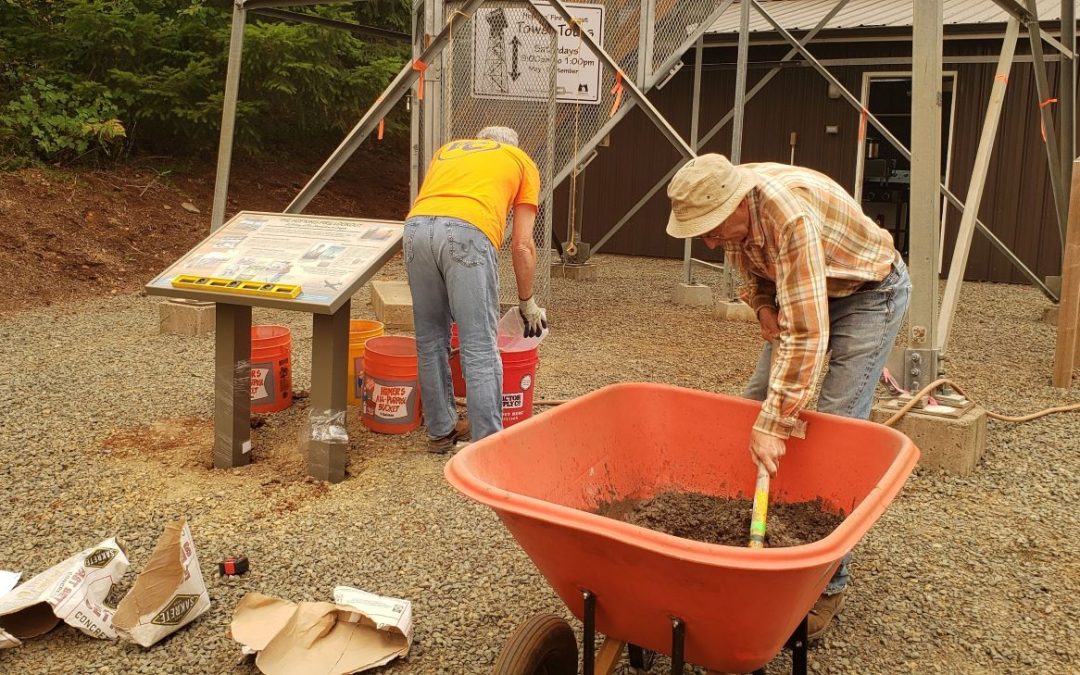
(882,175)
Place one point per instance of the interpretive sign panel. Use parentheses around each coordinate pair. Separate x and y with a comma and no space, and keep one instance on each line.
(329,258)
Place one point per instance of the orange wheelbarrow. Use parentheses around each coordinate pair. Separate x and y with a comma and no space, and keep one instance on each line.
(726,608)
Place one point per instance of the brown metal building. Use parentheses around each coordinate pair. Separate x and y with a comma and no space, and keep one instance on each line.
(867,47)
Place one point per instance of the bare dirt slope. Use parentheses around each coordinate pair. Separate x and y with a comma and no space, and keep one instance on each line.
(68,234)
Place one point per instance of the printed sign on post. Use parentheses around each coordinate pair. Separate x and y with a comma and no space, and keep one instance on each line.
(262,383)
(392,402)
(512,54)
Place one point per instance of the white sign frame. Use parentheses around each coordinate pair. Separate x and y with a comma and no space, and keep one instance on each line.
(579,73)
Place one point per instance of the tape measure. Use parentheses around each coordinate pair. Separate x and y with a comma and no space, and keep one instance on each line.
(233,566)
(239,286)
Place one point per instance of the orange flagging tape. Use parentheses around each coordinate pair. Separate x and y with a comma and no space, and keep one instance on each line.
(1004,78)
(862,124)
(617,91)
(419,66)
(1042,127)
(382,123)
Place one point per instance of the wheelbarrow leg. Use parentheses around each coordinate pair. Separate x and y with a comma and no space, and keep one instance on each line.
(640,659)
(588,638)
(678,637)
(797,643)
(799,647)
(610,651)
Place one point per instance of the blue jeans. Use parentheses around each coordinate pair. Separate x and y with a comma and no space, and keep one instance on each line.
(862,329)
(454,276)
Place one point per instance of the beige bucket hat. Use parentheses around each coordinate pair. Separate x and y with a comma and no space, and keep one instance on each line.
(704,193)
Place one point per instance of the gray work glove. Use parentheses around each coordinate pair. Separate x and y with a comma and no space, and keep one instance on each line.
(534,317)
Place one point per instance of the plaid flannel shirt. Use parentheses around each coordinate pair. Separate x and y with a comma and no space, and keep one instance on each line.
(809,241)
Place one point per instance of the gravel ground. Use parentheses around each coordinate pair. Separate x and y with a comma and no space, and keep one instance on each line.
(105,431)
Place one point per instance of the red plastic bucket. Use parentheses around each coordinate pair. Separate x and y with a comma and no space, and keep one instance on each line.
(271,368)
(391,403)
(360,331)
(519,380)
(455,363)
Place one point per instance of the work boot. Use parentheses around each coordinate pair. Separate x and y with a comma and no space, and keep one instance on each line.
(825,610)
(444,444)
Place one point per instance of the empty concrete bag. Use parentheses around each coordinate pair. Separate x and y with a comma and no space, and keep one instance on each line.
(73,591)
(168,594)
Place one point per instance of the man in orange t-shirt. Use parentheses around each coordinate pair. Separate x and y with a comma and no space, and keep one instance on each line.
(452,239)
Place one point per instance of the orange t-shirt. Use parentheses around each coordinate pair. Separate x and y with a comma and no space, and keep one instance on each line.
(478,181)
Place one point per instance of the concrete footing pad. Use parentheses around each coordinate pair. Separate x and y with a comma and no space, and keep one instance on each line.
(584,272)
(734,310)
(186,317)
(952,444)
(392,302)
(692,295)
(1050,315)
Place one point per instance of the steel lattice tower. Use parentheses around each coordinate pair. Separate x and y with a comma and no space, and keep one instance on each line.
(495,66)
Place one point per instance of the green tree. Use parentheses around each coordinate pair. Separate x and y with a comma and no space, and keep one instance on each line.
(92,77)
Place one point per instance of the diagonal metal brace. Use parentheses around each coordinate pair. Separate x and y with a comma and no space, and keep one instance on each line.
(1026,17)
(718,126)
(315,19)
(649,109)
(1042,86)
(259,4)
(904,151)
(402,83)
(652,81)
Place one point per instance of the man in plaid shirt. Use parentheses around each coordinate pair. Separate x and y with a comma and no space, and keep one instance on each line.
(822,278)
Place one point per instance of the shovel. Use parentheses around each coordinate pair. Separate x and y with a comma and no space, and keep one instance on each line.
(761,508)
(761,491)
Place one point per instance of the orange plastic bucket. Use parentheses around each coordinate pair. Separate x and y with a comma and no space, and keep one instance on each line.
(360,331)
(455,363)
(271,368)
(519,378)
(391,402)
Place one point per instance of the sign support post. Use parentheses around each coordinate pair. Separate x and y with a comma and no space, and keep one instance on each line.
(282,261)
(329,384)
(232,386)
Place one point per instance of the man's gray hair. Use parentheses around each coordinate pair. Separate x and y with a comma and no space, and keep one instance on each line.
(500,134)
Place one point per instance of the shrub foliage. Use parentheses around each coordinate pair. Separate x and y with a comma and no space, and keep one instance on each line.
(94,78)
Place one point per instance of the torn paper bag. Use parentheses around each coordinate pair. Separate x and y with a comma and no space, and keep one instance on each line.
(73,591)
(8,640)
(168,594)
(8,581)
(321,638)
(385,614)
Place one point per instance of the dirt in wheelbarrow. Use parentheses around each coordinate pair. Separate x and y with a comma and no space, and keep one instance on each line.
(722,520)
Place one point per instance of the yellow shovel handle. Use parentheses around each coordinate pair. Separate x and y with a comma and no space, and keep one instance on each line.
(761,509)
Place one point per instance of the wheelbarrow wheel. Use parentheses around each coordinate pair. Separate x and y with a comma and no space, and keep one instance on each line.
(543,645)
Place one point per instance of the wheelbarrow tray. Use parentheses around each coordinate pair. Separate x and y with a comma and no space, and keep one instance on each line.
(739,606)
